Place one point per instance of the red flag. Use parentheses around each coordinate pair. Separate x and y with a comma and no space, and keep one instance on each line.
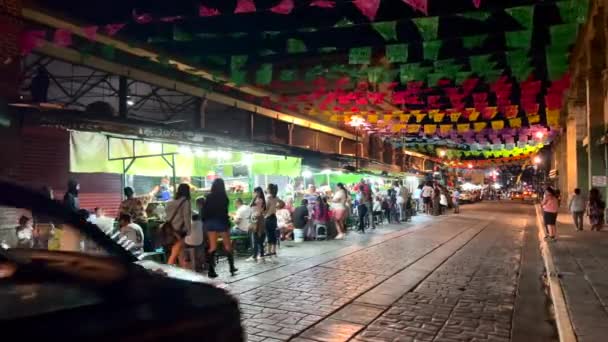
(342,82)
(143,18)
(480,97)
(207,12)
(90,32)
(323,4)
(112,29)
(476,3)
(368,8)
(283,7)
(62,37)
(244,6)
(419,5)
(30,40)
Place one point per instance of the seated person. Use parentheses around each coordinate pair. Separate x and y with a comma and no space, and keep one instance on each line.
(132,232)
(241,218)
(320,213)
(24,232)
(300,215)
(284,221)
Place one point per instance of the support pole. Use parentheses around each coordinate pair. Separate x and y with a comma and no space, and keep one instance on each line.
(122,97)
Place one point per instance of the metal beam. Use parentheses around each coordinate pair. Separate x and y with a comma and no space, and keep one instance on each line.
(76,57)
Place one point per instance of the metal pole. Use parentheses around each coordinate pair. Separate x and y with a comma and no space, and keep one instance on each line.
(122,96)
(356,149)
(174,177)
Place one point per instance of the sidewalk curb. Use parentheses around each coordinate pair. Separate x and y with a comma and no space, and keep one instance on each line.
(565,328)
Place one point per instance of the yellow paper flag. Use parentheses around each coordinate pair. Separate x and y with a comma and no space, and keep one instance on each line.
(454,117)
(498,125)
(515,123)
(413,128)
(388,117)
(430,129)
(372,118)
(445,128)
(473,114)
(396,128)
(534,119)
(553,117)
(462,128)
(404,118)
(420,117)
(438,117)
(478,126)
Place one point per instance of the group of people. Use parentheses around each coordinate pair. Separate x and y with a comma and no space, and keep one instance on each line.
(434,198)
(594,206)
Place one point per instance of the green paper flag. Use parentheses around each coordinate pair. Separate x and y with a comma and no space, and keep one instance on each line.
(155,39)
(518,39)
(493,75)
(476,15)
(472,42)
(517,57)
(427,27)
(361,55)
(264,74)
(109,52)
(433,78)
(564,35)
(557,62)
(314,72)
(288,75)
(375,74)
(480,63)
(180,35)
(266,52)
(413,72)
(307,29)
(328,49)
(521,72)
(387,29)
(238,76)
(295,46)
(344,23)
(431,49)
(573,11)
(397,53)
(524,15)
(462,76)
(238,61)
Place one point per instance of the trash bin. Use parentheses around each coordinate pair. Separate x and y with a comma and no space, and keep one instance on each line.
(298,235)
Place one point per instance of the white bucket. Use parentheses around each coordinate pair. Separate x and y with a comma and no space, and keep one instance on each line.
(298,235)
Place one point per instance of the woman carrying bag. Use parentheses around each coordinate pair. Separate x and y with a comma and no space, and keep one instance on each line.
(179,224)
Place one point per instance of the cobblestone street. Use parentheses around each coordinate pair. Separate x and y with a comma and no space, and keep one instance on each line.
(452,278)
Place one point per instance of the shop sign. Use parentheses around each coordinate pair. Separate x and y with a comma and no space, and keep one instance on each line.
(172,134)
(600,181)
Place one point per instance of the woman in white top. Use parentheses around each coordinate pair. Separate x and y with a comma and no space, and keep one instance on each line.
(338,205)
(179,213)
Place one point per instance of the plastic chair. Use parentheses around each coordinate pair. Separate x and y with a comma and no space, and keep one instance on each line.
(321,231)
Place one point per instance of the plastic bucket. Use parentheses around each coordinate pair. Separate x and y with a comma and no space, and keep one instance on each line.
(298,235)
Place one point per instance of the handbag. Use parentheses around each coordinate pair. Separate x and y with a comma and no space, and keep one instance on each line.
(168,233)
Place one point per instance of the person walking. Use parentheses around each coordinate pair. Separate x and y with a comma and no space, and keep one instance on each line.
(258,224)
(270,216)
(436,203)
(404,194)
(596,210)
(427,193)
(179,212)
(338,204)
(217,224)
(577,208)
(455,201)
(550,205)
(417,197)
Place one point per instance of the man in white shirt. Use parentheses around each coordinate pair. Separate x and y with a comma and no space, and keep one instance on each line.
(417,196)
(577,206)
(241,218)
(427,193)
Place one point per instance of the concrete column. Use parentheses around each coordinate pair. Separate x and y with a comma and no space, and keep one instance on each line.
(571,157)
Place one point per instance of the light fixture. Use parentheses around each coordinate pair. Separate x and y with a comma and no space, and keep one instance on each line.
(130,102)
(247,159)
(539,134)
(470,166)
(442,153)
(326,171)
(306,174)
(537,160)
(184,150)
(356,121)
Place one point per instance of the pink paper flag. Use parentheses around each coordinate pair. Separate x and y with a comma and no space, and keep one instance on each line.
(476,3)
(244,6)
(368,8)
(62,37)
(207,11)
(30,40)
(323,4)
(90,32)
(143,18)
(283,7)
(419,5)
(112,29)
